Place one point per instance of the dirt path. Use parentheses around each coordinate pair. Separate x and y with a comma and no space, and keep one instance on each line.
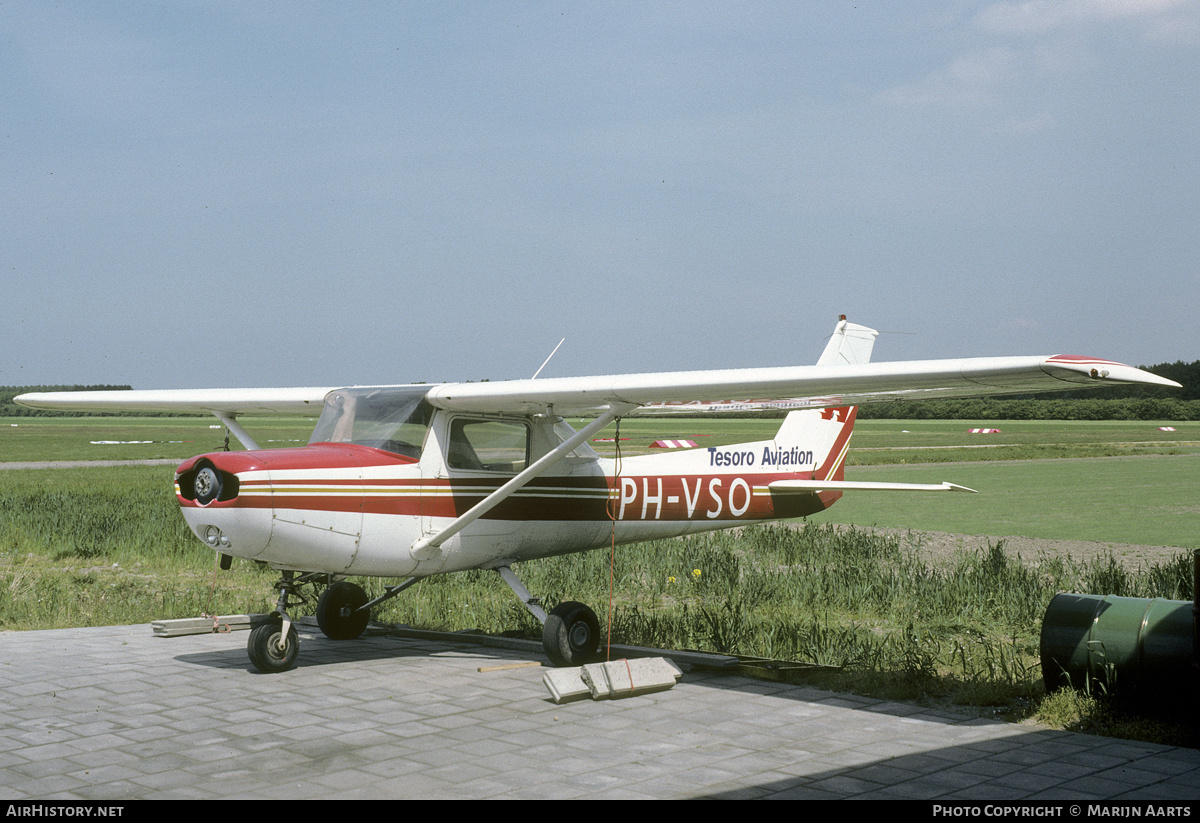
(89,464)
(941,547)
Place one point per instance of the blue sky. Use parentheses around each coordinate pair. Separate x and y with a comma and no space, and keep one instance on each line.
(271,194)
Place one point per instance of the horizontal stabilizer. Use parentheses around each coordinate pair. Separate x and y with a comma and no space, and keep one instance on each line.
(808,486)
(849,344)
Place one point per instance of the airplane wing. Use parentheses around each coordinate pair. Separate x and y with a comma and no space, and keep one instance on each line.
(231,402)
(225,404)
(785,387)
(803,386)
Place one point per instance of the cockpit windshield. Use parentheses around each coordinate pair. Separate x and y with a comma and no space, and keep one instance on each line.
(393,419)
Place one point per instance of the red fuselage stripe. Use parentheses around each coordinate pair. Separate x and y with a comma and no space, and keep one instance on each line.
(666,498)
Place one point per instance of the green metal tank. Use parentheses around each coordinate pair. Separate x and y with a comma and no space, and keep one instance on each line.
(1121,646)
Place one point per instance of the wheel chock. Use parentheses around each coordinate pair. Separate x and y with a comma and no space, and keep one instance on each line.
(612,680)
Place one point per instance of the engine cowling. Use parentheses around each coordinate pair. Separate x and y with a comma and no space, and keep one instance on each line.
(244,503)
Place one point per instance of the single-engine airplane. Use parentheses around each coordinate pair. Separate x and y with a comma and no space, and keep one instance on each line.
(409,481)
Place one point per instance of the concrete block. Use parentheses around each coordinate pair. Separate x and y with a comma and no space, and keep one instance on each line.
(565,685)
(206,625)
(625,678)
(617,678)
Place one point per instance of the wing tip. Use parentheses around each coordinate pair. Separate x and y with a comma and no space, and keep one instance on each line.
(1099,369)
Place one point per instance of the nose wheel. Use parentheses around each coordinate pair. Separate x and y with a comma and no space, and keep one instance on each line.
(273,645)
(271,649)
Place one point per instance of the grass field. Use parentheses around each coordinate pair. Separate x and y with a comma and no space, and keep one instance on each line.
(1108,481)
(29,439)
(875,441)
(105,545)
(1144,499)
(935,441)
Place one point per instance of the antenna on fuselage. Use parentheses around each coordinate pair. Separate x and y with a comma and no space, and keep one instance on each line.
(547,360)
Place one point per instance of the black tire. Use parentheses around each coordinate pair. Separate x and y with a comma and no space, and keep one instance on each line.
(338,612)
(571,635)
(265,651)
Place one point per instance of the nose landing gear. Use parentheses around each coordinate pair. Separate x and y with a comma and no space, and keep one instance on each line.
(270,648)
(273,645)
(343,612)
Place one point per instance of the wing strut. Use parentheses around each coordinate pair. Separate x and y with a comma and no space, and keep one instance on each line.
(429,546)
(243,436)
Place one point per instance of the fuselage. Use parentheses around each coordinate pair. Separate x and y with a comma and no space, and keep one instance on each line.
(353,509)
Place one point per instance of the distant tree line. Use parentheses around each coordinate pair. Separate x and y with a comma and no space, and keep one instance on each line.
(1187,374)
(995,408)
(1122,402)
(1126,402)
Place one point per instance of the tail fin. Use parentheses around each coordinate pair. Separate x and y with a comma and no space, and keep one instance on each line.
(831,428)
(819,438)
(849,344)
(822,436)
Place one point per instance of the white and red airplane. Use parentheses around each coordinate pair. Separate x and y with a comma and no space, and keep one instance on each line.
(415,480)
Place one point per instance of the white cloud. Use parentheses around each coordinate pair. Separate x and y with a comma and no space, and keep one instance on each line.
(1011,48)
(1043,16)
(969,79)
(1179,29)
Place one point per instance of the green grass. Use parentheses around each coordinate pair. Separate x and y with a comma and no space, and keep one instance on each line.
(29,439)
(1149,499)
(102,546)
(934,441)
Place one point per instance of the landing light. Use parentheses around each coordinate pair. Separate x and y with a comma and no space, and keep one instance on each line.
(215,538)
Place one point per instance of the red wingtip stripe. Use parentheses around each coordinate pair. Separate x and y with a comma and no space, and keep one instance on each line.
(1080,360)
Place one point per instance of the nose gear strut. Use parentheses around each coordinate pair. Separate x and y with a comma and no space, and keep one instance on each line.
(343,612)
(274,644)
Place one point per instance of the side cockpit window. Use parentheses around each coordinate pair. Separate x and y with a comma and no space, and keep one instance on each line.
(394,419)
(488,445)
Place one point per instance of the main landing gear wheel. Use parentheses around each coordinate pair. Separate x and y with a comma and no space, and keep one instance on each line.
(269,651)
(571,635)
(339,611)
